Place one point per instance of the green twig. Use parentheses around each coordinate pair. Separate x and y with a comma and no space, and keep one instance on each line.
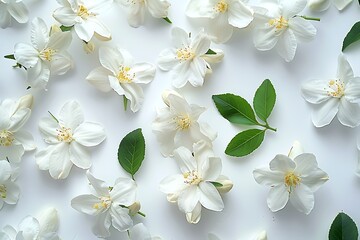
(310,18)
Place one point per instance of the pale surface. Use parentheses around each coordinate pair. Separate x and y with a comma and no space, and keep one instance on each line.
(241,72)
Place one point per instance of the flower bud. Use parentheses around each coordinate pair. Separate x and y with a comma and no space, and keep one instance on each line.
(262,235)
(89,47)
(48,220)
(167,93)
(24,102)
(226,183)
(214,58)
(55,29)
(318,5)
(194,216)
(134,208)
(295,150)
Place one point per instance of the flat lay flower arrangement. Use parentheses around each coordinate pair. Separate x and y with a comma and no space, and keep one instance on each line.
(163,119)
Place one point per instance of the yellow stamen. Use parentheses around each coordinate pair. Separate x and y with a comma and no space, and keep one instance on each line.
(184,54)
(124,75)
(279,23)
(65,134)
(337,88)
(2,191)
(183,122)
(192,178)
(84,13)
(291,180)
(104,203)
(47,54)
(221,6)
(6,138)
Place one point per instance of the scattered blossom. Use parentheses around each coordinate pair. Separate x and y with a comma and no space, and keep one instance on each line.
(177,124)
(278,25)
(9,190)
(13,116)
(294,177)
(69,137)
(140,232)
(337,96)
(322,5)
(194,187)
(45,56)
(15,9)
(187,60)
(82,15)
(119,73)
(108,204)
(137,10)
(223,15)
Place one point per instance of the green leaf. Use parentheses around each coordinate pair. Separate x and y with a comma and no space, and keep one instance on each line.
(65,28)
(217,184)
(352,36)
(167,20)
(131,151)
(245,142)
(264,100)
(211,52)
(343,228)
(235,109)
(10,56)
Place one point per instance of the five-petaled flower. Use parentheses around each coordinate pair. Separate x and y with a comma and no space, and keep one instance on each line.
(177,124)
(83,16)
(108,204)
(187,61)
(12,9)
(295,177)
(223,16)
(279,25)
(337,96)
(13,116)
(120,73)
(46,56)
(9,190)
(194,187)
(137,10)
(69,137)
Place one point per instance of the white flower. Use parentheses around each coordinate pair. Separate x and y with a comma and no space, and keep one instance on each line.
(13,116)
(280,26)
(177,124)
(83,16)
(8,233)
(223,16)
(12,9)
(120,73)
(137,8)
(337,96)
(186,61)
(108,204)
(292,177)
(46,56)
(69,137)
(140,232)
(194,185)
(9,190)
(322,5)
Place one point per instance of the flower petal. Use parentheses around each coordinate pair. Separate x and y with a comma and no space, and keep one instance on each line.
(136,15)
(102,225)
(208,131)
(100,29)
(134,93)
(324,112)
(173,184)
(144,72)
(197,72)
(210,197)
(290,9)
(268,178)
(265,38)
(344,70)
(5,20)
(341,4)
(286,46)
(18,11)
(240,15)
(12,193)
(39,33)
(25,139)
(60,164)
(5,170)
(26,55)
(305,163)
(302,29)
(61,64)
(79,156)
(200,9)
(65,15)
(47,127)
(315,179)
(111,59)
(219,28)
(29,228)
(49,222)
(100,187)
(99,79)
(282,163)
(185,159)
(89,134)
(277,198)
(302,199)
(313,91)
(167,59)
(201,43)
(115,85)
(71,115)
(13,153)
(194,216)
(124,191)
(140,232)
(352,90)
(38,76)
(120,218)
(349,113)
(19,119)
(158,8)
(84,30)
(179,37)
(188,199)
(85,204)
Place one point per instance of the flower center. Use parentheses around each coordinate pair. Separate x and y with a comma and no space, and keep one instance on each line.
(84,13)
(65,135)
(104,203)
(184,54)
(337,88)
(6,138)
(279,23)
(124,75)
(2,191)
(192,178)
(221,6)
(291,180)
(47,54)
(183,122)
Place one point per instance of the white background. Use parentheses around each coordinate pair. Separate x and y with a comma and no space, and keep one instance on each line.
(241,72)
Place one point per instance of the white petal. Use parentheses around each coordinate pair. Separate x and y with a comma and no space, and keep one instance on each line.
(134,93)
(39,33)
(197,73)
(79,156)
(18,11)
(188,199)
(210,197)
(47,127)
(18,120)
(352,90)
(124,191)
(71,115)
(25,139)
(240,15)
(286,46)
(13,153)
(111,59)
(200,8)
(349,113)
(5,18)
(180,74)
(102,225)
(325,112)
(158,8)
(65,16)
(194,216)
(60,164)
(179,37)
(214,169)
(265,38)
(302,199)
(201,43)
(136,15)
(212,236)
(341,4)
(315,179)
(29,227)
(305,163)
(100,29)
(208,131)
(12,193)
(296,150)
(303,29)
(100,187)
(9,232)
(85,204)
(277,198)
(314,91)
(49,221)
(120,218)
(319,5)
(344,70)
(89,134)
(219,29)
(5,170)
(185,159)
(167,59)
(38,76)
(144,72)
(173,184)
(140,232)
(115,84)
(84,30)
(26,55)
(282,163)
(99,79)
(61,64)
(268,178)
(292,8)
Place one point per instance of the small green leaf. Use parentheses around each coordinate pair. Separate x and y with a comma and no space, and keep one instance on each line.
(352,36)
(131,151)
(210,52)
(343,228)
(65,28)
(10,56)
(264,100)
(235,109)
(245,142)
(167,20)
(217,184)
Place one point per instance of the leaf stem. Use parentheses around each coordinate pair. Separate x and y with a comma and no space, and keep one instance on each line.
(267,127)
(53,117)
(141,214)
(310,18)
